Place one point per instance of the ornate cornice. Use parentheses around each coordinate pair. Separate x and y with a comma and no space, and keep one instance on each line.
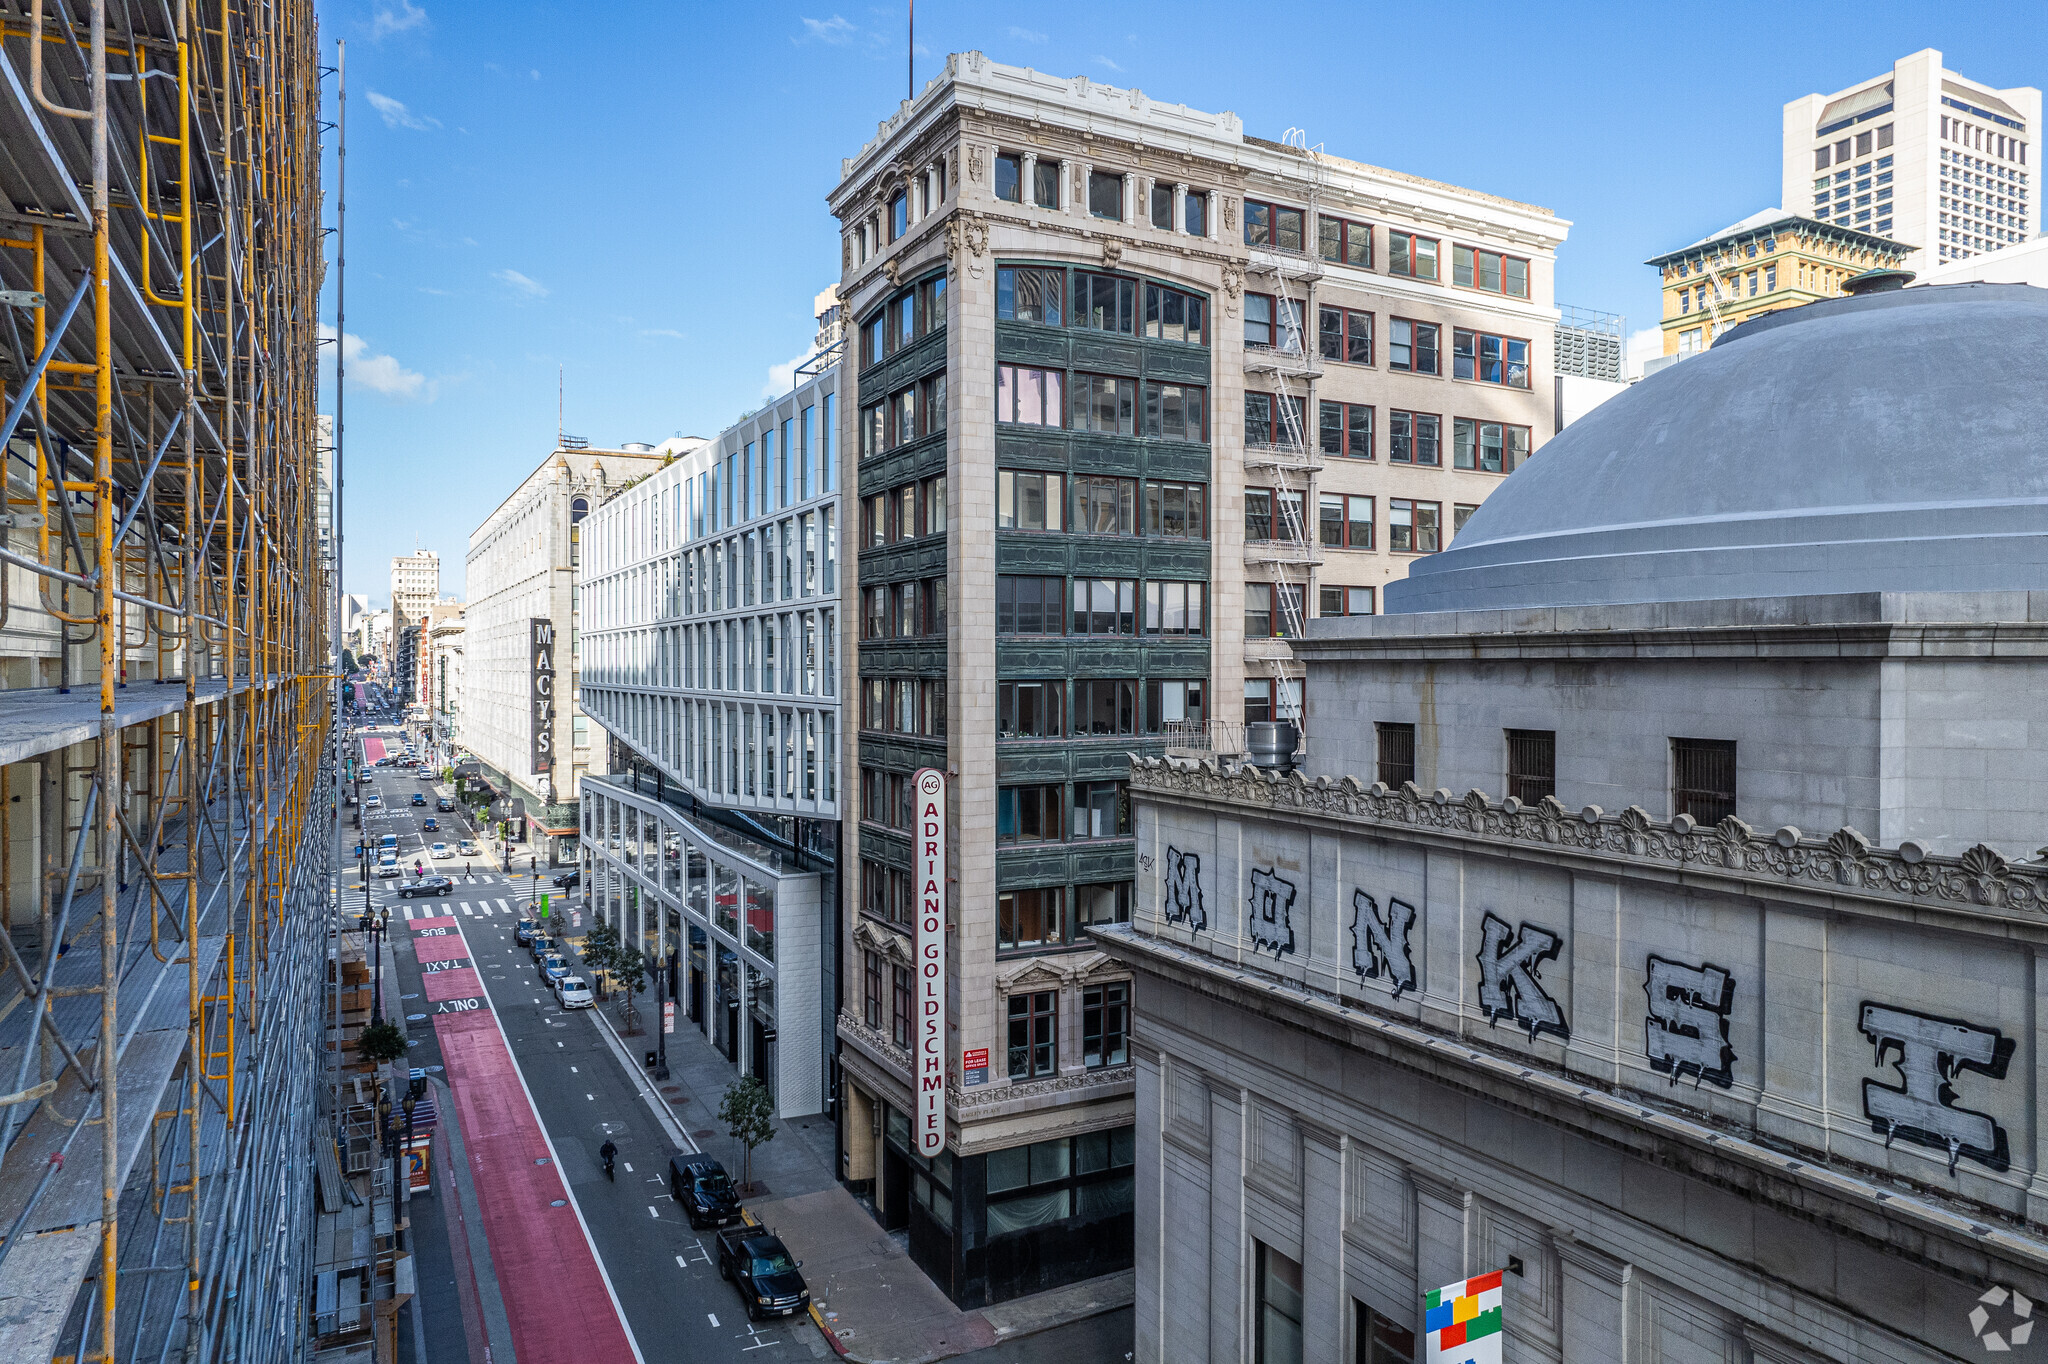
(874,1043)
(1106,1083)
(1980,881)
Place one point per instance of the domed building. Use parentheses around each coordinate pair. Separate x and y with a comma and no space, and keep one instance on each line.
(1658,922)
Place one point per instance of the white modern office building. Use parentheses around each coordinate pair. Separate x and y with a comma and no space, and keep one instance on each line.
(1920,154)
(710,598)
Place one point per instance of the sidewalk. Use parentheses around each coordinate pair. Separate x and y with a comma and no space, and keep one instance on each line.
(873,1304)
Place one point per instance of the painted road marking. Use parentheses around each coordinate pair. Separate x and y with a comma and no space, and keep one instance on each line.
(572,1071)
(408,911)
(629,1168)
(502,905)
(714,1319)
(651,1212)
(591,1097)
(681,1263)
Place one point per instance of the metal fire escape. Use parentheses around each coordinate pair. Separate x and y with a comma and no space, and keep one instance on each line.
(1290,559)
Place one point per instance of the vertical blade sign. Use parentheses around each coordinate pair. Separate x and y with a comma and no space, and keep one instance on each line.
(930,784)
(541,632)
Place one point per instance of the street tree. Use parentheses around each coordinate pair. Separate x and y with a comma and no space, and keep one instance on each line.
(381,1042)
(629,968)
(745,1110)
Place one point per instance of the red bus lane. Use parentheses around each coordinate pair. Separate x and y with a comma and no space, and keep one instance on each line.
(559,1302)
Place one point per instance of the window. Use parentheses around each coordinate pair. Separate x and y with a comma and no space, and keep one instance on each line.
(1344,601)
(1770,279)
(1703,779)
(899,215)
(1106,304)
(1380,1341)
(1273,225)
(1104,904)
(1105,506)
(1176,412)
(1028,814)
(1105,606)
(1029,606)
(1258,321)
(1412,526)
(1162,206)
(1472,268)
(1026,295)
(1345,521)
(875,615)
(1034,1034)
(1461,512)
(1046,190)
(1489,447)
(1175,608)
(1030,397)
(1030,710)
(1028,501)
(1277,1320)
(1030,918)
(1010,177)
(1171,315)
(1175,510)
(1259,701)
(1195,213)
(1414,438)
(871,981)
(1105,405)
(1270,610)
(1820,158)
(1412,346)
(1344,241)
(899,1018)
(1105,706)
(1101,810)
(1408,254)
(1105,195)
(1346,429)
(1345,334)
(1264,424)
(1395,753)
(1105,1016)
(1489,359)
(1532,764)
(1174,703)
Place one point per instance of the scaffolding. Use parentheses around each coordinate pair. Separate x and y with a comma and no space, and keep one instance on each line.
(166,795)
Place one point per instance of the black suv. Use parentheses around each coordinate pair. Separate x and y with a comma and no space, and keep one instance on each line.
(444,805)
(700,1184)
(569,880)
(426,885)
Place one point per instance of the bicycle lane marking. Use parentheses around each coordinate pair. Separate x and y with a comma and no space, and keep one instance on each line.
(531,1241)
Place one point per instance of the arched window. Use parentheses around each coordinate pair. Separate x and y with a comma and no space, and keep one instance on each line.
(579,507)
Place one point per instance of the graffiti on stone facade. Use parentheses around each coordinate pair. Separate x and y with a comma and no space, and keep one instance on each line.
(1183,877)
(1929,1053)
(1379,947)
(1687,1030)
(1509,962)
(1270,913)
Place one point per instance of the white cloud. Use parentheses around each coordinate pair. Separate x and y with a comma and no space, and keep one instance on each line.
(396,115)
(378,373)
(387,19)
(1108,63)
(662,331)
(835,30)
(1643,345)
(782,377)
(531,288)
(1025,35)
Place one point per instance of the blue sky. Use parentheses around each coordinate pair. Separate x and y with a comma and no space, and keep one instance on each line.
(635,193)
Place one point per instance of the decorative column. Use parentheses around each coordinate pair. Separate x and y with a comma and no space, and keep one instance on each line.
(1029,189)
(1443,1213)
(1596,1293)
(1179,225)
(1323,1202)
(1130,193)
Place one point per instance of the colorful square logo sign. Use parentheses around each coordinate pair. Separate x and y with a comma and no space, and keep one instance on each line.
(1461,1322)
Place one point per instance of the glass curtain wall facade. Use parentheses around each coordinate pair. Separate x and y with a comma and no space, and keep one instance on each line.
(739,929)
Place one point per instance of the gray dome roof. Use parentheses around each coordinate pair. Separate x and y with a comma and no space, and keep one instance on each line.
(1888,443)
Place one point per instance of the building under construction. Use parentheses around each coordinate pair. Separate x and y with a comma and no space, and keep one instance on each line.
(164,680)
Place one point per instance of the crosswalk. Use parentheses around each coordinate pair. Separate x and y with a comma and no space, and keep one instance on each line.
(445,909)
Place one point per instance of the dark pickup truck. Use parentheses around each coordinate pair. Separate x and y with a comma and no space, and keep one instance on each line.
(760,1266)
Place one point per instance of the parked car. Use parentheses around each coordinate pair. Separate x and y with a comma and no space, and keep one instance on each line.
(571,992)
(701,1185)
(440,850)
(426,885)
(553,968)
(430,825)
(444,805)
(418,799)
(756,1262)
(467,849)
(373,801)
(523,931)
(541,945)
(569,880)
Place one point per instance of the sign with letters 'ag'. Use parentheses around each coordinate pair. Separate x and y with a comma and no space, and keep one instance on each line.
(541,639)
(930,786)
